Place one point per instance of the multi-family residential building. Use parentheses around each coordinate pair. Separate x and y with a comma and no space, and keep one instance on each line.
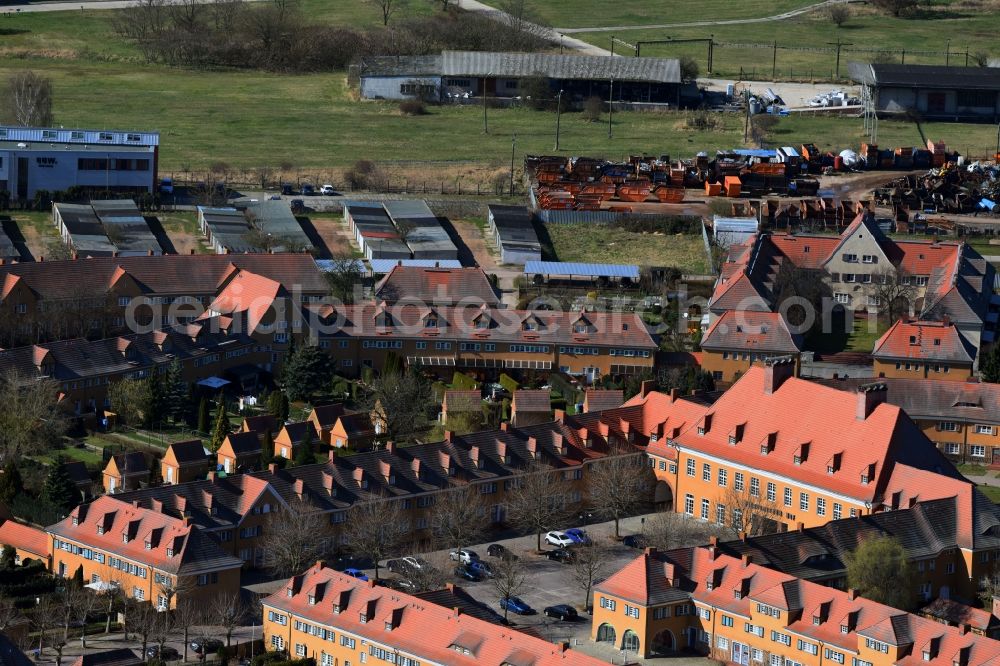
(753,461)
(458,404)
(937,279)
(337,620)
(924,349)
(485,342)
(239,452)
(185,461)
(437,286)
(737,611)
(530,406)
(236,508)
(126,471)
(150,555)
(595,400)
(950,544)
(323,418)
(962,418)
(28,543)
(741,338)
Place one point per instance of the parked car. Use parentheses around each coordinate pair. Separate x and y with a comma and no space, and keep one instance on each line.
(464,556)
(167,654)
(274,197)
(561,555)
(483,568)
(559,539)
(578,536)
(562,611)
(167,185)
(515,605)
(635,541)
(468,573)
(206,646)
(308,190)
(327,190)
(501,551)
(287,189)
(406,565)
(401,584)
(355,573)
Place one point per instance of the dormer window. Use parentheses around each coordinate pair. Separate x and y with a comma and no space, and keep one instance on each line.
(170,552)
(844,629)
(125,537)
(732,439)
(431,322)
(388,626)
(701,430)
(764,449)
(312,600)
(709,585)
(797,459)
(737,594)
(529,326)
(624,327)
(363,618)
(864,479)
(829,469)
(926,655)
(100,529)
(482,323)
(149,545)
(816,620)
(336,609)
(289,592)
(76,520)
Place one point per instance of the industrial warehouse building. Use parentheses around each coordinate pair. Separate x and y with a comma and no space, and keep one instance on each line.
(458,75)
(33,159)
(935,92)
(514,234)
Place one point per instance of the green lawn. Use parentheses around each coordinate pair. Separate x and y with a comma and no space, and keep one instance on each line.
(861,339)
(608,244)
(590,13)
(992,493)
(84,455)
(928,30)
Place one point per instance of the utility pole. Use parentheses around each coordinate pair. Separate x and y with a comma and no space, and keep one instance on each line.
(612,45)
(558,116)
(746,122)
(611,105)
(513,143)
(486,126)
(947,53)
(774,61)
(839,44)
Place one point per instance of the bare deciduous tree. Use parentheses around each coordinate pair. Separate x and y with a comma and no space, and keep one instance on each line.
(143,619)
(458,517)
(509,580)
(229,612)
(388,8)
(589,565)
(28,99)
(538,502)
(31,417)
(753,515)
(895,292)
(292,538)
(83,603)
(376,529)
(187,615)
(669,530)
(840,14)
(619,486)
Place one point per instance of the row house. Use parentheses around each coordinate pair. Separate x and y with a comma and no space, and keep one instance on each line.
(148,554)
(126,471)
(337,620)
(484,342)
(530,406)
(924,350)
(741,338)
(236,508)
(50,300)
(961,418)
(185,461)
(596,400)
(748,462)
(84,369)
(28,543)
(734,610)
(437,286)
(942,282)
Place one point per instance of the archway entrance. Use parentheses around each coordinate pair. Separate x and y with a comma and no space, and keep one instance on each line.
(606,634)
(630,641)
(663,642)
(663,496)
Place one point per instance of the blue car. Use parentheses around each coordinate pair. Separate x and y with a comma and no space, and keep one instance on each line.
(515,605)
(578,536)
(356,573)
(482,568)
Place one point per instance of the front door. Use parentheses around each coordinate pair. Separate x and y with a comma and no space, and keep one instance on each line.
(741,654)
(935,102)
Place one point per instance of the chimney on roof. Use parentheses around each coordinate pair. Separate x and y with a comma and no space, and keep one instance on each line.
(192,251)
(457,610)
(713,540)
(213,476)
(319,564)
(532,446)
(187,521)
(870,396)
(390,446)
(852,594)
(674,394)
(557,443)
(646,387)
(415,467)
(650,550)
(747,557)
(299,486)
(448,434)
(328,483)
(776,371)
(946,320)
(331,455)
(800,527)
(560,415)
(450,587)
(504,426)
(474,456)
(963,627)
(385,469)
(743,536)
(273,468)
(155,504)
(995,608)
(75,256)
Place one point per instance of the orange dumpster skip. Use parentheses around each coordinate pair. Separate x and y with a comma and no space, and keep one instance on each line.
(732,186)
(633,192)
(669,194)
(713,189)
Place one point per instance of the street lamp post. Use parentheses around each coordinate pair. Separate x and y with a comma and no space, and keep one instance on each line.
(513,144)
(611,105)
(558,116)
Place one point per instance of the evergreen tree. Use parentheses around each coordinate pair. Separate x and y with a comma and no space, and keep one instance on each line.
(221,428)
(77,580)
(7,558)
(285,407)
(59,490)
(203,415)
(175,392)
(155,412)
(267,450)
(307,372)
(990,365)
(11,483)
(305,454)
(274,404)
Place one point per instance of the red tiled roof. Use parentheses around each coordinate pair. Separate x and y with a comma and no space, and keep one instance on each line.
(249,294)
(596,400)
(831,434)
(806,251)
(419,628)
(440,286)
(24,537)
(458,400)
(326,415)
(924,341)
(923,258)
(955,612)
(528,400)
(752,331)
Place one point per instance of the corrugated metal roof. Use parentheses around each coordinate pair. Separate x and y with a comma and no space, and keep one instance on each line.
(928,76)
(553,66)
(421,65)
(383,266)
(746,224)
(592,270)
(83,136)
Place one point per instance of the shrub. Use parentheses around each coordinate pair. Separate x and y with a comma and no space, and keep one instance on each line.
(508,383)
(701,120)
(592,107)
(463,382)
(689,69)
(412,107)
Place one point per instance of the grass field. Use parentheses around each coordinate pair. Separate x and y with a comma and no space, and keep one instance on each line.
(607,244)
(860,339)
(595,13)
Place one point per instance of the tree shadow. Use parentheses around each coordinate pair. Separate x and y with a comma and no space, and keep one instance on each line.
(13,31)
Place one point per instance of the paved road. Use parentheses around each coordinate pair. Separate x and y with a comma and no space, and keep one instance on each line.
(548,33)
